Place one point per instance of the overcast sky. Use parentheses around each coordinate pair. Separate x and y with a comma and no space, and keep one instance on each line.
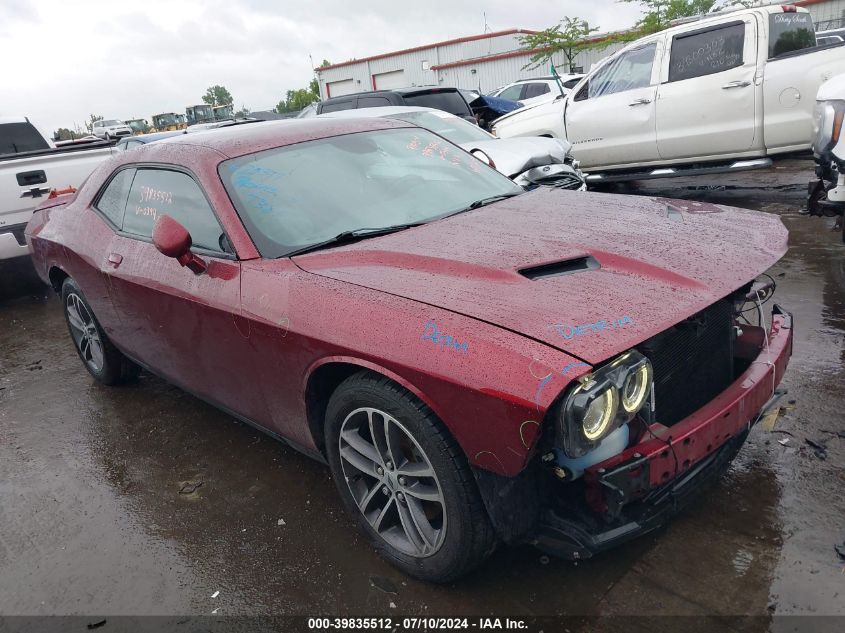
(65,59)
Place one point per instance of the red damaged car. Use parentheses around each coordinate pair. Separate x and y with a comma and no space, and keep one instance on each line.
(475,363)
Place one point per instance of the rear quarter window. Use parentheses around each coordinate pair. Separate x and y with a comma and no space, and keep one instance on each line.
(112,202)
(535,90)
(20,137)
(448,101)
(790,32)
(337,106)
(373,102)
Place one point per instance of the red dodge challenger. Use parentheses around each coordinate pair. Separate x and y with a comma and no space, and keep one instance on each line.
(476,364)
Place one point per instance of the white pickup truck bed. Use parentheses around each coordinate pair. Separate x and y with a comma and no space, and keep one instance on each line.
(27,178)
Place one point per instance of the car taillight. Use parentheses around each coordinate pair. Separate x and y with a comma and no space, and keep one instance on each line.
(837,125)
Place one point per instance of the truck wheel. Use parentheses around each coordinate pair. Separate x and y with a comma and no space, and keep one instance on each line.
(405,480)
(102,359)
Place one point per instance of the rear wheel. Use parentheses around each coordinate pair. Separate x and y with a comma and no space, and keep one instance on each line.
(102,359)
(405,480)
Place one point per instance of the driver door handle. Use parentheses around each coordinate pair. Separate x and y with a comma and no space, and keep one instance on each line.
(639,102)
(736,84)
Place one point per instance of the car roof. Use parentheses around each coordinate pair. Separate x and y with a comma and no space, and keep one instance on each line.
(385,111)
(239,140)
(401,91)
(155,136)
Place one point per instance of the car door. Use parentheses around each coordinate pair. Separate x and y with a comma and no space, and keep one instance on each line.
(707,100)
(185,327)
(610,121)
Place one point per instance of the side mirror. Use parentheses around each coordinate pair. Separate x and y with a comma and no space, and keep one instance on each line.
(173,240)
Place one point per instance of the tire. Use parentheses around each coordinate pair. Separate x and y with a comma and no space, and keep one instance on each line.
(102,359)
(431,527)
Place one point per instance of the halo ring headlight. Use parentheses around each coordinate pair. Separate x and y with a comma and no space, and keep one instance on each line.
(600,414)
(636,387)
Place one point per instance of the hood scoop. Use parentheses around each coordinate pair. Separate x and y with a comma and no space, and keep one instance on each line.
(559,269)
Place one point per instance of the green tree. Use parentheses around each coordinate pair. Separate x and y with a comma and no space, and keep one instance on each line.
(570,37)
(295,100)
(242,113)
(89,124)
(658,14)
(217,95)
(64,134)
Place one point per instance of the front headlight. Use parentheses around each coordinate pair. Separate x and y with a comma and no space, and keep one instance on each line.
(603,401)
(827,124)
(599,414)
(636,387)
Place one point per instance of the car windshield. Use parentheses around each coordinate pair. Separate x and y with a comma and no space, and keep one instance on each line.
(450,127)
(111,122)
(790,32)
(299,195)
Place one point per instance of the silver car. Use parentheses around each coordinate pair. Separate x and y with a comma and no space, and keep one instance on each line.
(528,161)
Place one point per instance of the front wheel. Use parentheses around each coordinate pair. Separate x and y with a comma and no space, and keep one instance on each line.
(405,480)
(102,359)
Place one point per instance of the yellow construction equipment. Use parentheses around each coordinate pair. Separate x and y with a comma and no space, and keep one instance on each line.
(167,122)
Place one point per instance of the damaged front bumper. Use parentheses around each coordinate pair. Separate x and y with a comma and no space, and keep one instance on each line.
(639,489)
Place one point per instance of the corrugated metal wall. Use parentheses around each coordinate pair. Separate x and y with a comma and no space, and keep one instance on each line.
(828,15)
(487,76)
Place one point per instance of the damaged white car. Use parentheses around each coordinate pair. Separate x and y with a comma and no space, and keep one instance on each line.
(529,162)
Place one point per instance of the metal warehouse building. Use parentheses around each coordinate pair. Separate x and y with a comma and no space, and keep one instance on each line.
(484,62)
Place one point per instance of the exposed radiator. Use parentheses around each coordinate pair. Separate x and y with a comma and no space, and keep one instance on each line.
(693,362)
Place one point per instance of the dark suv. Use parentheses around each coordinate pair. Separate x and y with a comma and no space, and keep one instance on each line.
(447,99)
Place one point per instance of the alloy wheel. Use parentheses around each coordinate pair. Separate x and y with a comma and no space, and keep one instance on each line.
(84,332)
(392,482)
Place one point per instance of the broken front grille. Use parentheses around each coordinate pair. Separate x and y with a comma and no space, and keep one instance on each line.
(692,361)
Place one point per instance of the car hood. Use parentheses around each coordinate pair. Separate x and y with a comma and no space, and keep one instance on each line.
(512,156)
(659,262)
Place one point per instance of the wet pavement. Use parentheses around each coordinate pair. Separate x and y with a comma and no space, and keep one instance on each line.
(143,500)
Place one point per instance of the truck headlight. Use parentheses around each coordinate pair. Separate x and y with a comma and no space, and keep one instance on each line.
(602,401)
(828,125)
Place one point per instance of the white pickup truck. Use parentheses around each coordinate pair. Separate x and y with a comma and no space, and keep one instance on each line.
(30,167)
(724,92)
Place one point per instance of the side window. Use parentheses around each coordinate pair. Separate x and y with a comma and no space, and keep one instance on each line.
(705,53)
(157,192)
(628,71)
(112,202)
(372,102)
(337,106)
(514,93)
(535,90)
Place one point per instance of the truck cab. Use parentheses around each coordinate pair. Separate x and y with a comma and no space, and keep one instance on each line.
(735,87)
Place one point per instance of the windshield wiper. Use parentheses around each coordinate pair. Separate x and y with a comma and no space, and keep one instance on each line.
(485,201)
(351,236)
